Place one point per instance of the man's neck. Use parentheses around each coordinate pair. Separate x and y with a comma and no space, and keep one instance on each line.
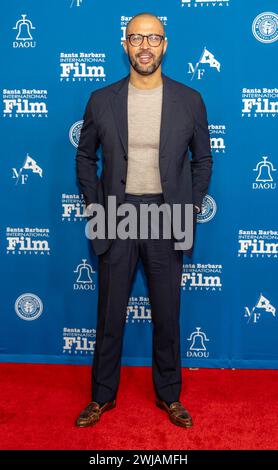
(145,83)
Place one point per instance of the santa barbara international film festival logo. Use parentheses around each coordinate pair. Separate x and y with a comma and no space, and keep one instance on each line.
(206,62)
(82,66)
(265,27)
(204,277)
(259,102)
(217,138)
(28,168)
(204,3)
(73,207)
(197,348)
(138,310)
(24,29)
(257,243)
(27,241)
(263,310)
(84,281)
(264,178)
(79,341)
(25,103)
(28,306)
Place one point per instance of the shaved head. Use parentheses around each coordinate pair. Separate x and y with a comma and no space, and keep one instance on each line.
(145,15)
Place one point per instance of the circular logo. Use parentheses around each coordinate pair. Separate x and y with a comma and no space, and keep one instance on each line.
(28,306)
(208,209)
(74,133)
(265,27)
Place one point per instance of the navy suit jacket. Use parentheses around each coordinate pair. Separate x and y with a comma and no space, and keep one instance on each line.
(184,127)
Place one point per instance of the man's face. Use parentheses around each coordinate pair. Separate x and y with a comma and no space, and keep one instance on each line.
(145,59)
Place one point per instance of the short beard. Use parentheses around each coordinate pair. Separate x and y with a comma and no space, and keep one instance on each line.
(149,70)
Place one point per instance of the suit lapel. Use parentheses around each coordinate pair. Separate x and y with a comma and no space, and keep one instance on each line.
(119,107)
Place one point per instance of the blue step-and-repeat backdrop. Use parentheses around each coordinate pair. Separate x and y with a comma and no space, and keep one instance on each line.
(54,54)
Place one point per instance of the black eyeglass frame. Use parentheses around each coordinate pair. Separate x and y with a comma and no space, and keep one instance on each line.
(145,36)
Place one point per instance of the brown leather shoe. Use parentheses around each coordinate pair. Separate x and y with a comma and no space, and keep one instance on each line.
(177,413)
(92,412)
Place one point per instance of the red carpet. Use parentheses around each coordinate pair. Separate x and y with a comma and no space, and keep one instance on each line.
(230,409)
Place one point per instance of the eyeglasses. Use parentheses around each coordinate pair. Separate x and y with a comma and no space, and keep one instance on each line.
(154,40)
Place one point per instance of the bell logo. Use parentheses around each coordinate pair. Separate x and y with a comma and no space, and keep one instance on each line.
(24,38)
(197,348)
(264,179)
(84,280)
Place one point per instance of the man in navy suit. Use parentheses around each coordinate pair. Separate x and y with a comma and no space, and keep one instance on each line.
(146,123)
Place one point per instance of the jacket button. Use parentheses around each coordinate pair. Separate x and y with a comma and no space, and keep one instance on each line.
(125,157)
(122,181)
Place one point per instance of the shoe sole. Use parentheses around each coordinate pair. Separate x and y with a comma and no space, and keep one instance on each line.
(177,423)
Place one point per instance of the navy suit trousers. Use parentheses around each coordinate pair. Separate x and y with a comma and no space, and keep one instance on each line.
(163,269)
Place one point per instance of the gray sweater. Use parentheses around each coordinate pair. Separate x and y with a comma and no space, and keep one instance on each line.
(144,116)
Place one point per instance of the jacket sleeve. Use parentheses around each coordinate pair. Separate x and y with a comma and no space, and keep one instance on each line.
(201,161)
(86,157)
